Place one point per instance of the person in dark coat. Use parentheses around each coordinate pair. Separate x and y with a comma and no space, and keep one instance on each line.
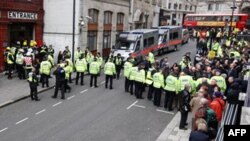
(200,134)
(60,81)
(185,107)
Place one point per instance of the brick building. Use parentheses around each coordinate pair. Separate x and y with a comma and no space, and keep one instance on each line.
(19,20)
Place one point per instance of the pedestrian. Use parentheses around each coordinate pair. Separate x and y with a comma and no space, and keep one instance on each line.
(33,83)
(185,107)
(81,67)
(60,81)
(127,68)
(118,65)
(28,63)
(195,105)
(158,84)
(67,70)
(10,62)
(151,58)
(217,105)
(171,89)
(45,69)
(140,79)
(78,53)
(200,134)
(109,71)
(51,51)
(19,64)
(70,69)
(94,70)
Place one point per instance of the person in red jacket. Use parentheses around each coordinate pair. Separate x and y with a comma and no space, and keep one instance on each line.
(217,105)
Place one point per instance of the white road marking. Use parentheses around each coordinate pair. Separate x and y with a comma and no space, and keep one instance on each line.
(57,104)
(71,97)
(3,129)
(40,111)
(132,105)
(166,112)
(84,91)
(22,120)
(140,106)
(102,82)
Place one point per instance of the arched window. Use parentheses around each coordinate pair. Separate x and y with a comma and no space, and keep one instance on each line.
(93,13)
(107,17)
(120,18)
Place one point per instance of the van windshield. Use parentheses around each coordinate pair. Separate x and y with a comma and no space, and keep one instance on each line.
(160,39)
(125,45)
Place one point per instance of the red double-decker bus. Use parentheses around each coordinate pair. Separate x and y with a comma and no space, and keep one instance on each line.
(215,20)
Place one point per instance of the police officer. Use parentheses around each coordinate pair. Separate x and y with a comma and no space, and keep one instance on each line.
(139,81)
(67,70)
(158,84)
(78,53)
(109,71)
(60,80)
(94,70)
(118,65)
(66,52)
(10,62)
(51,51)
(45,68)
(132,76)
(81,67)
(33,82)
(171,88)
(70,63)
(149,81)
(127,68)
(19,64)
(151,58)
(221,82)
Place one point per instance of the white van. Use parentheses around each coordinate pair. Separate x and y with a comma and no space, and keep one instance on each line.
(136,43)
(185,36)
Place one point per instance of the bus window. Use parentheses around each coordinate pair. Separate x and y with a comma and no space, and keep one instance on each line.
(211,18)
(164,40)
(189,18)
(171,36)
(199,18)
(151,41)
(145,43)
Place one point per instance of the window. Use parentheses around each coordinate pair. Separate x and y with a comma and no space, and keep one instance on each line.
(93,13)
(217,6)
(175,35)
(186,7)
(120,18)
(138,46)
(151,41)
(169,6)
(210,7)
(180,6)
(191,8)
(175,6)
(106,39)
(92,40)
(189,18)
(145,42)
(107,17)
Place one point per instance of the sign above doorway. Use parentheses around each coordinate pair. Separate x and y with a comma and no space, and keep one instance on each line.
(22,15)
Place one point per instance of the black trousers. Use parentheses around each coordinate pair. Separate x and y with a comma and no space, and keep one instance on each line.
(93,76)
(138,89)
(10,67)
(132,84)
(33,92)
(150,92)
(184,115)
(157,97)
(66,85)
(109,79)
(70,79)
(127,84)
(20,71)
(81,75)
(60,85)
(118,71)
(177,100)
(45,80)
(169,98)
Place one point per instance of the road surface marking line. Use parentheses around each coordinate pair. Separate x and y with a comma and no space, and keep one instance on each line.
(3,129)
(166,112)
(84,91)
(71,97)
(102,82)
(22,120)
(132,105)
(57,104)
(40,111)
(139,106)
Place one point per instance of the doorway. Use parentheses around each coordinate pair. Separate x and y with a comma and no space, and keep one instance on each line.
(20,32)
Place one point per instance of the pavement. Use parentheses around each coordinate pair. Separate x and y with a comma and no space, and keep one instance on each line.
(87,114)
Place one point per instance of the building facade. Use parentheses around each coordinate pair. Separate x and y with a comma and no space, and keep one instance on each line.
(97,22)
(20,20)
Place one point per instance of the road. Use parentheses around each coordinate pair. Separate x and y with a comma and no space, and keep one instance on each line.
(87,114)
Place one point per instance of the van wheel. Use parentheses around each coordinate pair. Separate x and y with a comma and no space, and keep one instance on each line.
(175,48)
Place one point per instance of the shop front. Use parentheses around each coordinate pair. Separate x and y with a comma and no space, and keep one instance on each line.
(20,22)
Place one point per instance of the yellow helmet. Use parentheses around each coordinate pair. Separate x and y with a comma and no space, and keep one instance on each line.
(8,48)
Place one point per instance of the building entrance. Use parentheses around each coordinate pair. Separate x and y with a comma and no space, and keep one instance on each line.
(20,32)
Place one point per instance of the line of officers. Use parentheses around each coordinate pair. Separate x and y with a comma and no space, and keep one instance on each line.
(137,77)
(86,63)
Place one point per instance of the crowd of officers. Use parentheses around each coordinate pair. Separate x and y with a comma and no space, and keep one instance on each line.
(203,86)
